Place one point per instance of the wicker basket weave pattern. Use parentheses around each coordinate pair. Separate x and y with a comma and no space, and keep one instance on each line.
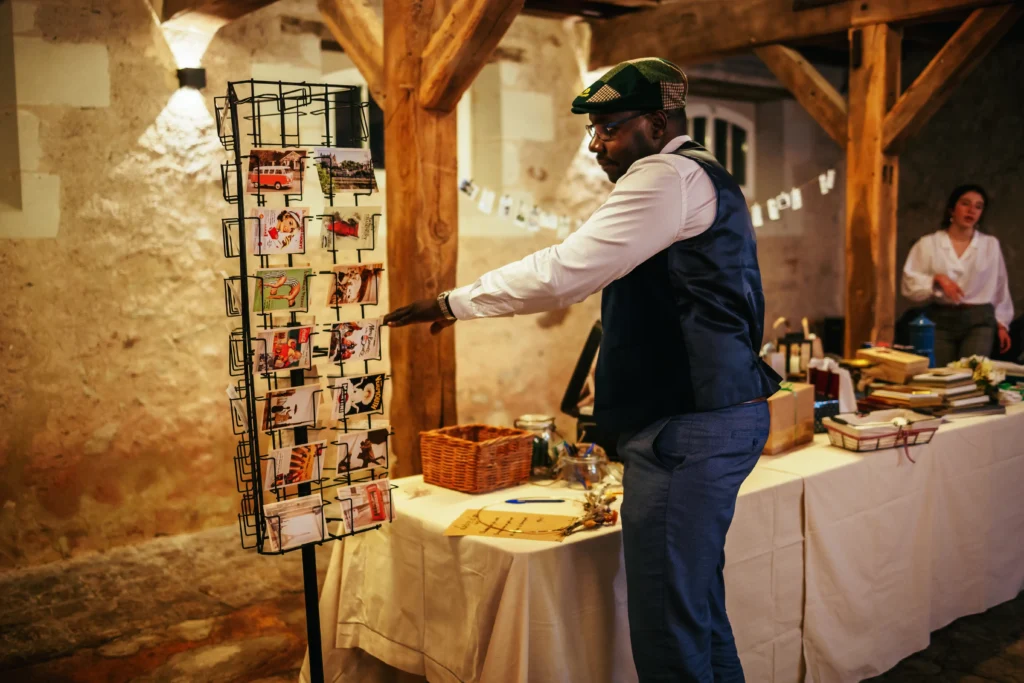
(476,458)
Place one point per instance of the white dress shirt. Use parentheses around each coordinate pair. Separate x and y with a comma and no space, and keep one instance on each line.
(660,200)
(980,272)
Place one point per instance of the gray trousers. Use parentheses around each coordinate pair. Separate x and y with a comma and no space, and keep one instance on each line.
(962,331)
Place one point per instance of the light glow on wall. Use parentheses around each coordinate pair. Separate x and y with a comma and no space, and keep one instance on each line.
(188,44)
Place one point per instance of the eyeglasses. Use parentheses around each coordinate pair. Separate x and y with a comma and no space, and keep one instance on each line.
(606,131)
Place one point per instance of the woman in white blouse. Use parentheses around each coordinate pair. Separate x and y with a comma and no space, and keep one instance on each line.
(961,271)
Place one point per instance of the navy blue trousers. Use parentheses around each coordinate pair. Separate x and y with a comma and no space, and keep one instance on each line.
(681,480)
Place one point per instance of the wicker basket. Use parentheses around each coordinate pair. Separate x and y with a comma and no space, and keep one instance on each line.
(476,458)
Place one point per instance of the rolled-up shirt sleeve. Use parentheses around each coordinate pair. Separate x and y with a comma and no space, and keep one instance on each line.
(644,215)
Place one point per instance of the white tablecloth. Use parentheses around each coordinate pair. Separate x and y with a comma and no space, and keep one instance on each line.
(895,550)
(513,611)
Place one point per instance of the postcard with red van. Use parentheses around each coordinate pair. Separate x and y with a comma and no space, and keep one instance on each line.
(276,170)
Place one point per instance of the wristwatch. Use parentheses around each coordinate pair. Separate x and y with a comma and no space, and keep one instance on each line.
(446,310)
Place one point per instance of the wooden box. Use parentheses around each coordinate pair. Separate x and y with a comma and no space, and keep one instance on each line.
(893,366)
(792,418)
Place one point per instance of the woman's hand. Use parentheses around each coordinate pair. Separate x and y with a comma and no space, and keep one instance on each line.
(422,311)
(949,288)
(1004,339)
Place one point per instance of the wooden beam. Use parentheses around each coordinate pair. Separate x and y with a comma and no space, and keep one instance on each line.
(459,49)
(809,87)
(691,31)
(205,15)
(360,32)
(422,241)
(955,60)
(871,188)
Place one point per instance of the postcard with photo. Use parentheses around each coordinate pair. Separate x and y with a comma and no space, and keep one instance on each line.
(278,231)
(362,450)
(363,395)
(294,465)
(281,289)
(294,522)
(276,170)
(284,348)
(365,505)
(358,283)
(346,169)
(348,228)
(356,340)
(290,407)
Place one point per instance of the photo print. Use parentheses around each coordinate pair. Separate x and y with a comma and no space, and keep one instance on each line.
(284,348)
(348,228)
(345,169)
(276,170)
(363,395)
(365,505)
(356,340)
(292,407)
(281,289)
(362,450)
(294,522)
(294,465)
(357,283)
(278,231)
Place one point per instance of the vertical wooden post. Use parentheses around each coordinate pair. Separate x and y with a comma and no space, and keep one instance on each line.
(422,243)
(871,187)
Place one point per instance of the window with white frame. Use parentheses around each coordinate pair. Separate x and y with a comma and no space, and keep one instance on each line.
(727,134)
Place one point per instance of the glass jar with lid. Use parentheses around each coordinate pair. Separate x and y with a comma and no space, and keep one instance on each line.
(545,446)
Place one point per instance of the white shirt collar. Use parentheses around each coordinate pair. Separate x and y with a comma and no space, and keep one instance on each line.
(675,143)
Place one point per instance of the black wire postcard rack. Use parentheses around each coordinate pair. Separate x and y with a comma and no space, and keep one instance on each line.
(304,477)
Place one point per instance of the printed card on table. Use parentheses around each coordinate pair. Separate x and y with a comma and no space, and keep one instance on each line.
(297,464)
(345,169)
(278,231)
(365,505)
(362,395)
(292,407)
(284,348)
(276,170)
(357,283)
(281,289)
(356,340)
(294,522)
(362,450)
(348,228)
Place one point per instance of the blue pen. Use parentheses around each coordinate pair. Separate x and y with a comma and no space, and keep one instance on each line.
(589,450)
(520,501)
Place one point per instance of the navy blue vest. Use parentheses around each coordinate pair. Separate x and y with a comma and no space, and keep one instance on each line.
(683,329)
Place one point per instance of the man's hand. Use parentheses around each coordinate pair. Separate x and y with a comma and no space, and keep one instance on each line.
(422,311)
(949,288)
(1004,340)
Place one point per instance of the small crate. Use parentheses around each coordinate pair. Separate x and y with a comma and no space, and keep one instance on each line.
(875,435)
(476,458)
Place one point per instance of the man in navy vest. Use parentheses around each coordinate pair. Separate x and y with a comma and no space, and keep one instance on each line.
(678,372)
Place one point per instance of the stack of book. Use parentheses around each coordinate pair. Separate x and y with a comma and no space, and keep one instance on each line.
(940,391)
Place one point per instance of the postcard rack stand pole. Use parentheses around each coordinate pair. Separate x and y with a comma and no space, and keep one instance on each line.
(279,102)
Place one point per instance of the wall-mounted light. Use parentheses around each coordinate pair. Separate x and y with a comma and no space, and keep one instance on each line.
(192,77)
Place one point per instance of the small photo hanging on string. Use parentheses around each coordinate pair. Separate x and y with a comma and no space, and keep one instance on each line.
(362,395)
(284,348)
(357,283)
(486,204)
(281,289)
(278,231)
(345,169)
(296,464)
(355,340)
(276,170)
(362,450)
(347,228)
(469,188)
(505,206)
(292,407)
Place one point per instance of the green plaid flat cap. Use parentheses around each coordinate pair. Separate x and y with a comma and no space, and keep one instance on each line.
(645,84)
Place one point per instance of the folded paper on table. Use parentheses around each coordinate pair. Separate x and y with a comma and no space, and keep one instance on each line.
(792,417)
(504,524)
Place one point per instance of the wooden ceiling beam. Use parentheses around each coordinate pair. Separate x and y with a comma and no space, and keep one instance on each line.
(692,31)
(360,32)
(957,58)
(809,87)
(206,16)
(460,48)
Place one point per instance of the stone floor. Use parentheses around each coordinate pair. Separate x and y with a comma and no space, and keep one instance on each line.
(198,609)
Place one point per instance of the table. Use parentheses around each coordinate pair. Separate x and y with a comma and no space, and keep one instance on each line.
(490,610)
(896,550)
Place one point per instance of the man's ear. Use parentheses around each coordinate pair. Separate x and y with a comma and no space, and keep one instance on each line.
(659,124)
